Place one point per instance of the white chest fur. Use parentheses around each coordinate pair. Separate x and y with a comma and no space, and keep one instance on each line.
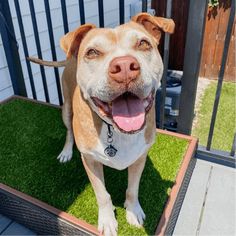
(129,148)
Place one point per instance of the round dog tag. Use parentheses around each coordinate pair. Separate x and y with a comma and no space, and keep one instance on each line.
(110,151)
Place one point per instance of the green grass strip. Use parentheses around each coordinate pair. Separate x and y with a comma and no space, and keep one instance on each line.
(31,137)
(226,116)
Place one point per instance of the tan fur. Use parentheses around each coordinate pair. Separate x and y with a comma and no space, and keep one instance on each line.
(86,123)
(84,78)
(48,63)
(69,79)
(135,170)
(107,33)
(154,25)
(71,41)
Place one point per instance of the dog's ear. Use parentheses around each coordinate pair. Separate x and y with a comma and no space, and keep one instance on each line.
(71,41)
(155,25)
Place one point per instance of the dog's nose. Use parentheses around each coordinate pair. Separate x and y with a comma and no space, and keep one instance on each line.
(124,69)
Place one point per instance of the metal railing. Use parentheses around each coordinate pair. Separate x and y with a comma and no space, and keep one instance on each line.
(206,152)
(193,47)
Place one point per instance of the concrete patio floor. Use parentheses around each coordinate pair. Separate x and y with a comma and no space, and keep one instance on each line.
(10,227)
(208,209)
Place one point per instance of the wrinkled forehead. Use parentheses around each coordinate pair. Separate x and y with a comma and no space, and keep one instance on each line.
(121,35)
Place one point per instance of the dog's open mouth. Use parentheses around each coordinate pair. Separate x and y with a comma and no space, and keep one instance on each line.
(127,111)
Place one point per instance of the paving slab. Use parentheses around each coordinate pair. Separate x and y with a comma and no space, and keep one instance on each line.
(209,207)
(17,229)
(220,207)
(4,222)
(188,219)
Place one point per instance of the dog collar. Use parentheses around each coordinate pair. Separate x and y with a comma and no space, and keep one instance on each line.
(110,150)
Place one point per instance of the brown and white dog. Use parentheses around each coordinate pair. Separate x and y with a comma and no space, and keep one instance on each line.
(109,85)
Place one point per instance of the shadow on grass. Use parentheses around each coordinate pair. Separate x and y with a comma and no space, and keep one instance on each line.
(31,137)
(153,194)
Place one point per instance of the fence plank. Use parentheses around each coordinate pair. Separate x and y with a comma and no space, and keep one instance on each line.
(216,25)
(179,13)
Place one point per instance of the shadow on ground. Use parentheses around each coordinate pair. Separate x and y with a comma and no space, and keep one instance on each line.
(152,194)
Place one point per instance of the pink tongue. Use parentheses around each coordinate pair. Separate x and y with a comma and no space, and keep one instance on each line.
(128,113)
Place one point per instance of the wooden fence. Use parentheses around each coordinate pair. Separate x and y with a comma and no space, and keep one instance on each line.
(215,31)
(213,44)
(180,10)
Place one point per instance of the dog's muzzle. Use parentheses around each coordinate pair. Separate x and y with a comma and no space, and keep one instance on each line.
(127,112)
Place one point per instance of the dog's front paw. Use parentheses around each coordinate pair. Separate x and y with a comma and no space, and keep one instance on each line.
(65,155)
(107,223)
(134,214)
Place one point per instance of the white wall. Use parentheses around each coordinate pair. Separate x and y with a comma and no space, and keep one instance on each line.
(111,18)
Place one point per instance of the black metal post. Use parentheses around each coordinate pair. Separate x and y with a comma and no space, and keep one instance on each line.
(101,13)
(166,63)
(53,49)
(38,46)
(192,57)
(11,49)
(221,73)
(232,152)
(64,16)
(144,5)
(25,47)
(122,11)
(81,12)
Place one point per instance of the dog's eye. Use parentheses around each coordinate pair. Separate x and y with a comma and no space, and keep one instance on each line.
(92,53)
(144,45)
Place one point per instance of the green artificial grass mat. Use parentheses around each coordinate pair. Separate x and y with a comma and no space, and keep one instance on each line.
(225,121)
(31,137)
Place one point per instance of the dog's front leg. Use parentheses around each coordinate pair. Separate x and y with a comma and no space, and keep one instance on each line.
(134,212)
(107,223)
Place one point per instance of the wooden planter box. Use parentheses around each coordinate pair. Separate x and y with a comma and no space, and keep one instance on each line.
(45,219)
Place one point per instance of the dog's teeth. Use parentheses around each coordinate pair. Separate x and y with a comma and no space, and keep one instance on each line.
(145,103)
